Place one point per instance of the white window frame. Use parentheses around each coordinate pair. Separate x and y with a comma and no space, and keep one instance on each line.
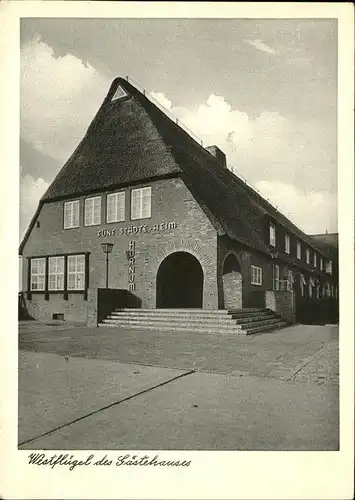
(314,259)
(299,250)
(287,243)
(308,256)
(118,201)
(311,285)
(120,93)
(71,214)
(56,273)
(302,283)
(137,197)
(272,234)
(91,216)
(321,263)
(34,281)
(290,279)
(256,275)
(76,273)
(329,267)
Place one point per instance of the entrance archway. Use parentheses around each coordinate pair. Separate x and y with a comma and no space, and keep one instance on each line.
(232,283)
(179,282)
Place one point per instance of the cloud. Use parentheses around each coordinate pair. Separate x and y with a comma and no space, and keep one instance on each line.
(161,99)
(260,45)
(31,191)
(291,162)
(313,212)
(59,97)
(61,94)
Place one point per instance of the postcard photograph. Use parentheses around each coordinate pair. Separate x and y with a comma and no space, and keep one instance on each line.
(179,241)
(178,292)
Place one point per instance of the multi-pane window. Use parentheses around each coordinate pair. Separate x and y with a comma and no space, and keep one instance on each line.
(321,264)
(38,274)
(298,250)
(287,243)
(92,211)
(272,235)
(329,267)
(115,211)
(76,272)
(307,255)
(276,277)
(315,259)
(56,273)
(256,275)
(71,214)
(141,203)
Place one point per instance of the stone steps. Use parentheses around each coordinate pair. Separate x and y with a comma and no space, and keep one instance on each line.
(235,322)
(221,319)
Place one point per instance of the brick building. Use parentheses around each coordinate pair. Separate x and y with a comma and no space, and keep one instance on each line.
(186,232)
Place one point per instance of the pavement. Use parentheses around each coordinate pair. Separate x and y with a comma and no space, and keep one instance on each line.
(117,388)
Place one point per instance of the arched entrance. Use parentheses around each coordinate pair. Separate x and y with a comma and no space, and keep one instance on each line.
(232,283)
(179,282)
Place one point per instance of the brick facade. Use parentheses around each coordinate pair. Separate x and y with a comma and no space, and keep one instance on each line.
(171,202)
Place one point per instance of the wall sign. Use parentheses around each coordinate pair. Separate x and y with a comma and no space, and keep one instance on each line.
(145,228)
(132,266)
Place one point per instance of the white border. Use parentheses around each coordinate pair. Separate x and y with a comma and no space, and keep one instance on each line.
(246,475)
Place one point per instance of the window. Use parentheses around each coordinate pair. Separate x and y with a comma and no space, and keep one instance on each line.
(307,255)
(256,275)
(141,203)
(287,243)
(92,211)
(329,267)
(276,277)
(56,273)
(321,264)
(272,234)
(71,214)
(298,250)
(302,283)
(119,94)
(289,284)
(311,284)
(318,290)
(76,272)
(315,259)
(38,274)
(115,207)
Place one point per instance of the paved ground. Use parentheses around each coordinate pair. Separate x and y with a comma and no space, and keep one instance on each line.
(112,388)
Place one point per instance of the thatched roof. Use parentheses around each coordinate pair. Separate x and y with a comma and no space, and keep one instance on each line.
(131,140)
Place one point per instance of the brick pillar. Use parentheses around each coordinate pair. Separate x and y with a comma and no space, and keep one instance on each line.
(92,307)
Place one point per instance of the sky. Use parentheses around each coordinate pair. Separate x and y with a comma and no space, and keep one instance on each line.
(264,91)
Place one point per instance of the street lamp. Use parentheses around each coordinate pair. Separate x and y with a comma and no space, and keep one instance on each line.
(107,248)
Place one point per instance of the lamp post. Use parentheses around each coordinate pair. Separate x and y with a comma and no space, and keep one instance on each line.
(107,248)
